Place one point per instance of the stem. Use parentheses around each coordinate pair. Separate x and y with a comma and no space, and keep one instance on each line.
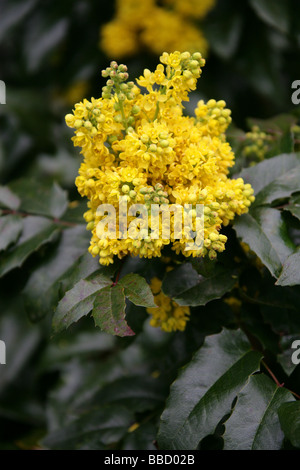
(123,114)
(118,273)
(120,103)
(272,374)
(156,111)
(277,381)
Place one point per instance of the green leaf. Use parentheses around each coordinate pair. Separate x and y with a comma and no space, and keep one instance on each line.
(22,341)
(264,173)
(259,62)
(251,318)
(82,344)
(141,438)
(40,199)
(290,275)
(136,317)
(137,290)
(285,144)
(109,311)
(42,39)
(180,279)
(255,415)
(103,426)
(78,301)
(8,199)
(280,188)
(187,287)
(276,14)
(12,14)
(289,417)
(41,293)
(294,206)
(266,233)
(74,213)
(223,35)
(10,229)
(137,393)
(85,266)
(37,231)
(205,388)
(279,307)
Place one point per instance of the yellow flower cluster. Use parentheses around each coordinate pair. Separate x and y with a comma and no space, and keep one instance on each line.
(141,146)
(169,316)
(257,143)
(145,25)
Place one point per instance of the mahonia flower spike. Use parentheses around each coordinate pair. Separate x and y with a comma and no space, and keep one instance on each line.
(138,144)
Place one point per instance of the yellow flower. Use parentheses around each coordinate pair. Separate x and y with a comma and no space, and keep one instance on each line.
(169,316)
(139,145)
(144,24)
(192,8)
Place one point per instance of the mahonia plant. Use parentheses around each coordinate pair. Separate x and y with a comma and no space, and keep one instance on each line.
(138,144)
(146,25)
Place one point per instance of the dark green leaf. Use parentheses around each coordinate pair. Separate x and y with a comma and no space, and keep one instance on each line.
(223,35)
(104,426)
(285,144)
(255,414)
(42,289)
(12,14)
(294,206)
(141,438)
(290,275)
(136,317)
(109,311)
(74,212)
(205,388)
(204,289)
(42,39)
(37,231)
(276,14)
(37,198)
(80,344)
(8,199)
(137,290)
(280,188)
(78,301)
(251,318)
(279,307)
(21,339)
(265,232)
(84,267)
(136,393)
(10,229)
(264,173)
(289,417)
(180,279)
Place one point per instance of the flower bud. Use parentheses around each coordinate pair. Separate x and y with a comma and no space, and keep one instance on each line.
(78,123)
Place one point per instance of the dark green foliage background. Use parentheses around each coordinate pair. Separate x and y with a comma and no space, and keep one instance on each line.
(82,388)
